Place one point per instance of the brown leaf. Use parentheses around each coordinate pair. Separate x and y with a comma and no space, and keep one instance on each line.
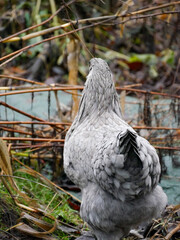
(32,232)
(40,223)
(5,161)
(7,174)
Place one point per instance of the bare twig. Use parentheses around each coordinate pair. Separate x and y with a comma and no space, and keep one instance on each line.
(18,54)
(68,124)
(33,122)
(44,145)
(168,148)
(21,112)
(172,232)
(22,79)
(149,92)
(52,38)
(17,131)
(62,141)
(24,113)
(82,21)
(41,90)
(76,87)
(60,115)
(152,8)
(104,20)
(43,85)
(32,35)
(146,16)
(155,128)
(32,139)
(42,23)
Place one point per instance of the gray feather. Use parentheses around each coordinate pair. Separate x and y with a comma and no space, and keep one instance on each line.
(117,170)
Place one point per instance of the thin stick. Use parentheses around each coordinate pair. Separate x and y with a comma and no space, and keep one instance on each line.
(88,26)
(65,25)
(40,90)
(81,88)
(146,16)
(68,124)
(52,38)
(52,210)
(10,59)
(40,24)
(24,113)
(172,232)
(167,148)
(33,122)
(151,9)
(47,145)
(60,115)
(43,85)
(22,79)
(32,139)
(52,29)
(149,92)
(21,112)
(17,131)
(62,140)
(23,87)
(50,202)
(155,128)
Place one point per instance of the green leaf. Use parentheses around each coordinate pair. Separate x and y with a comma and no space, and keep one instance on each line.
(149,59)
(168,57)
(153,72)
(110,54)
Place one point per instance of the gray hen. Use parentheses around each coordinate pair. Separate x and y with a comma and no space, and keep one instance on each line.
(117,170)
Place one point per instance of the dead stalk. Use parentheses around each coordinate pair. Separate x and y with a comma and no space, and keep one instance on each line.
(38,25)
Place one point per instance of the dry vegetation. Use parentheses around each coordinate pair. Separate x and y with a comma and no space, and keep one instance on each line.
(45,47)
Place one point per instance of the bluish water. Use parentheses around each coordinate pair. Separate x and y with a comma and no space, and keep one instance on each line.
(171,183)
(38,108)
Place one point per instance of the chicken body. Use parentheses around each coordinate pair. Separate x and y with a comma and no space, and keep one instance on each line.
(117,170)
